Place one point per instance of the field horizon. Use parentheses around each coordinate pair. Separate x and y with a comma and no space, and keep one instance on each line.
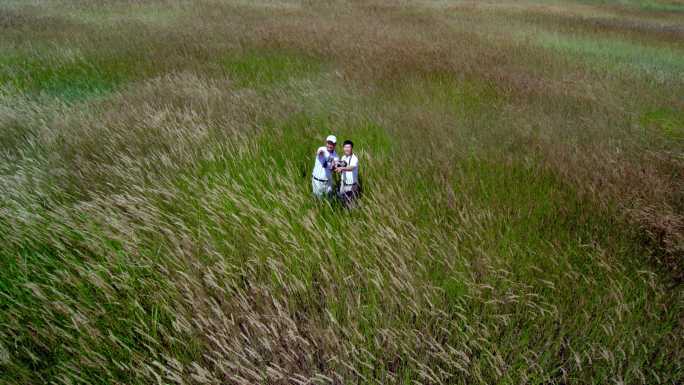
(522,216)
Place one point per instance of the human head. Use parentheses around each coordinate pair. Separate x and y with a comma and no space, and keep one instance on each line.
(330,142)
(348,147)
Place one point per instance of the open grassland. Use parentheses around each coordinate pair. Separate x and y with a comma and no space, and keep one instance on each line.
(523,216)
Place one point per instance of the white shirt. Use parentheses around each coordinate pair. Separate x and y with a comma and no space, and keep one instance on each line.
(351,177)
(323,164)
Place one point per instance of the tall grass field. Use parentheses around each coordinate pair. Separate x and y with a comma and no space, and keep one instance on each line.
(522,216)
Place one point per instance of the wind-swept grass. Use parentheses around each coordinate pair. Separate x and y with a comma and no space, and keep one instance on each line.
(660,63)
(268,67)
(521,220)
(69,79)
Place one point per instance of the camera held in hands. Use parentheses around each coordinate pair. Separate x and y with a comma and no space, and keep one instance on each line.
(340,163)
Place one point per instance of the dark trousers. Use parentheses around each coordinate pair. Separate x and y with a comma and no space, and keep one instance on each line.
(348,194)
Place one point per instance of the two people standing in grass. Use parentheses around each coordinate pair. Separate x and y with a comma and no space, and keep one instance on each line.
(328,162)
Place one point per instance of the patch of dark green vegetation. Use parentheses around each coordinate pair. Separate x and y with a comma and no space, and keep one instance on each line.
(263,68)
(667,121)
(658,6)
(295,139)
(444,90)
(69,79)
(543,229)
(113,291)
(536,209)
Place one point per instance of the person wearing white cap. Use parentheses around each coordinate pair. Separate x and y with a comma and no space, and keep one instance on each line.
(326,159)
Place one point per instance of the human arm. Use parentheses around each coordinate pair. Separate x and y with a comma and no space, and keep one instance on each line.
(322,156)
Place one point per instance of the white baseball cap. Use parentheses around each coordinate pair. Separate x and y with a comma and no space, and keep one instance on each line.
(331,138)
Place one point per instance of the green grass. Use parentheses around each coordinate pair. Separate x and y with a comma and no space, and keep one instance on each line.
(668,122)
(158,227)
(68,78)
(661,63)
(150,14)
(264,68)
(645,5)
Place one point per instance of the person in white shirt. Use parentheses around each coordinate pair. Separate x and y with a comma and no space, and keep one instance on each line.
(326,160)
(349,178)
